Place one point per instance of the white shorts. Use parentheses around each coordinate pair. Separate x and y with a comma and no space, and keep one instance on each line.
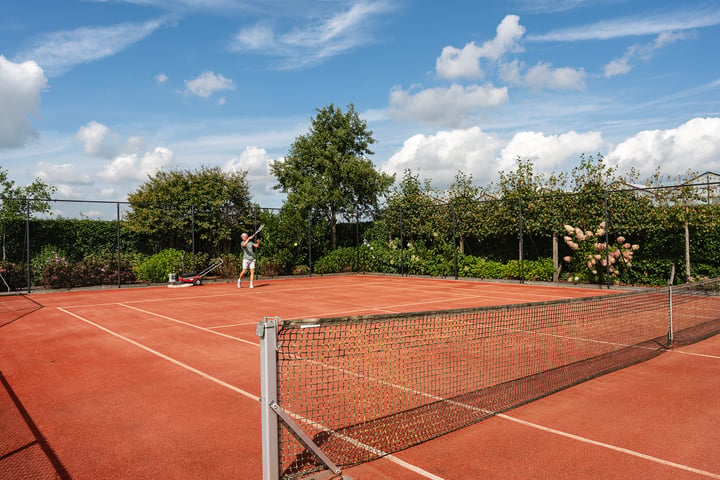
(247,263)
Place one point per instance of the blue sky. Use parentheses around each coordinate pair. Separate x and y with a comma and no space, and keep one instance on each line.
(97,95)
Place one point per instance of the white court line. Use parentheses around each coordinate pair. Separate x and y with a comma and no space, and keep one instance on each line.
(188,324)
(165,357)
(704,355)
(610,447)
(392,458)
(249,395)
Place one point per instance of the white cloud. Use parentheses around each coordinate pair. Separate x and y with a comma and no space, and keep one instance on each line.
(543,76)
(97,140)
(456,63)
(256,161)
(20,88)
(310,44)
(444,106)
(208,83)
(251,159)
(131,167)
(679,20)
(643,52)
(161,78)
(440,156)
(694,145)
(65,173)
(548,153)
(58,52)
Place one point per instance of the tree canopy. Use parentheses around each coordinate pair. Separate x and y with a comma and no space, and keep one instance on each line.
(16,201)
(214,202)
(328,169)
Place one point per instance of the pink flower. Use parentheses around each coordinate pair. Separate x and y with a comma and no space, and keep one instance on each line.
(621,239)
(567,259)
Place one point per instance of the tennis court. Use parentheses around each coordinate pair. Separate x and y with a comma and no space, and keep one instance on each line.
(157,382)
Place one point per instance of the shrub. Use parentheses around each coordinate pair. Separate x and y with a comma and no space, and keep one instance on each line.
(269,266)
(593,260)
(15,275)
(157,267)
(301,270)
(339,260)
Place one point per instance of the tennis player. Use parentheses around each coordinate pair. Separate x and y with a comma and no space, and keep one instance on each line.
(248,248)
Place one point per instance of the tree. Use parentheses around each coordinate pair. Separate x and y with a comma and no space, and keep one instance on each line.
(327,169)
(169,204)
(17,202)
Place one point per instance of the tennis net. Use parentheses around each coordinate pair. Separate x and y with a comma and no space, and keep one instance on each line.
(351,389)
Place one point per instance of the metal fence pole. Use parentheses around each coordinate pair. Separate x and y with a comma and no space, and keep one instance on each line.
(521,246)
(267,331)
(357,241)
(310,262)
(27,243)
(607,238)
(117,237)
(454,232)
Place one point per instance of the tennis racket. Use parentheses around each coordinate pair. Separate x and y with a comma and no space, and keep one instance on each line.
(258,230)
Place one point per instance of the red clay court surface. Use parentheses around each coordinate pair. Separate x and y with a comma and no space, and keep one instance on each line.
(163,383)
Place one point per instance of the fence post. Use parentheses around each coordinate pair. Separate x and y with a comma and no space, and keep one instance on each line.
(192,221)
(607,237)
(27,243)
(402,247)
(521,247)
(310,263)
(454,232)
(117,238)
(357,241)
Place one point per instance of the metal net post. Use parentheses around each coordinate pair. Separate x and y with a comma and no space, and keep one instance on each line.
(267,331)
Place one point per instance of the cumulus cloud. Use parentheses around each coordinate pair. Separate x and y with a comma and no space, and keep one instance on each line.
(20,87)
(256,161)
(252,159)
(310,44)
(444,106)
(131,167)
(693,145)
(548,152)
(66,174)
(208,83)
(97,140)
(455,63)
(161,78)
(440,156)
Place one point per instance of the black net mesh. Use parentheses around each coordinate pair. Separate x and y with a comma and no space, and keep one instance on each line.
(364,387)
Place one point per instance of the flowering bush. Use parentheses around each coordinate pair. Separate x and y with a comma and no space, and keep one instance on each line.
(593,259)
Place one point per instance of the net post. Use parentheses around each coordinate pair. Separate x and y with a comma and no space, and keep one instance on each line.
(267,331)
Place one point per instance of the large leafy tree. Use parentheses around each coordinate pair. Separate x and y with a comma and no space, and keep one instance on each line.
(328,169)
(17,201)
(169,204)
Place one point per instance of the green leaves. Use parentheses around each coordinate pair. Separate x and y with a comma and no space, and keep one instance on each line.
(328,169)
(216,204)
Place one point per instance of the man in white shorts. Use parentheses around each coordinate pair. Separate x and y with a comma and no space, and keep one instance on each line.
(248,247)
